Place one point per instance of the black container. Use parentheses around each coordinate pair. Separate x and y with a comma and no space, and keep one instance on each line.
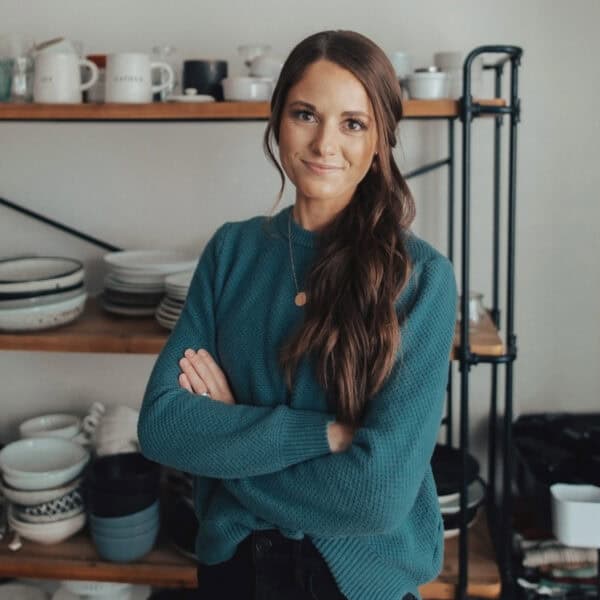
(114,504)
(205,76)
(126,473)
(446,464)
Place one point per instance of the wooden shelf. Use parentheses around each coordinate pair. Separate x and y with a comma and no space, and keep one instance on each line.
(77,558)
(173,111)
(98,331)
(483,575)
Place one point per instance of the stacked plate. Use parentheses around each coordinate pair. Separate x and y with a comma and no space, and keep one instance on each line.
(39,292)
(135,282)
(176,287)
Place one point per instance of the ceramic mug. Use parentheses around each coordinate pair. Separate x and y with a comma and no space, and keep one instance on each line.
(129,77)
(57,78)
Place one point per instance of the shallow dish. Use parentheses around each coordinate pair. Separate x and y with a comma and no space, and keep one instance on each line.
(35,497)
(39,273)
(475,496)
(128,311)
(42,317)
(66,506)
(149,261)
(54,425)
(95,588)
(47,533)
(30,299)
(41,463)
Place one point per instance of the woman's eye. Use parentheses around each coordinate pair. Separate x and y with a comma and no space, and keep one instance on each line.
(356,125)
(304,115)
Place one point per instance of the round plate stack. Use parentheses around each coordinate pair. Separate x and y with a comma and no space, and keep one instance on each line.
(39,292)
(170,308)
(447,467)
(135,282)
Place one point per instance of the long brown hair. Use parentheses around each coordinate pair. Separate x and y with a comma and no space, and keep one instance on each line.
(351,327)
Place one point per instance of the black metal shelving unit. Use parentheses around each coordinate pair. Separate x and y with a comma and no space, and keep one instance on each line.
(499,509)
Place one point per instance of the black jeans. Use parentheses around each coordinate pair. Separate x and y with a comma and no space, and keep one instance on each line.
(269,566)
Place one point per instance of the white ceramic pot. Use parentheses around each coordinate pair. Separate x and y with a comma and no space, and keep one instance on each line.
(244,89)
(427,86)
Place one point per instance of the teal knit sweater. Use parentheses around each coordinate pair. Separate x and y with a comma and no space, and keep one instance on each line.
(371,511)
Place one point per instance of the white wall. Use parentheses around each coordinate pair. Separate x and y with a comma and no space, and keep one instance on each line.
(170,185)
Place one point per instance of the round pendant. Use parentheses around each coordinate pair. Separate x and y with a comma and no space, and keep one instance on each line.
(300,299)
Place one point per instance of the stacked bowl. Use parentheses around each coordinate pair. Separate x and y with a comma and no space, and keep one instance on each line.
(40,480)
(135,282)
(39,292)
(122,496)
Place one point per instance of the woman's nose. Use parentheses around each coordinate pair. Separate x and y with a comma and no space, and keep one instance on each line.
(325,142)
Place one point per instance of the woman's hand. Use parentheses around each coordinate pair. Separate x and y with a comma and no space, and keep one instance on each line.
(200,374)
(340,436)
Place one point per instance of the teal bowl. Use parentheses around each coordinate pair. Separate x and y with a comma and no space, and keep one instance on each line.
(127,549)
(143,516)
(124,532)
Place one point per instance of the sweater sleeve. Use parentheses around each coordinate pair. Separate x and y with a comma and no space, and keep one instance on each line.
(206,437)
(372,486)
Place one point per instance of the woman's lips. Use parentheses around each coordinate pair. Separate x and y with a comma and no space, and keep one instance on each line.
(319,168)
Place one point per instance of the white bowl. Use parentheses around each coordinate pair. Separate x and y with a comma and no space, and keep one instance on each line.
(42,317)
(54,425)
(266,65)
(40,273)
(427,86)
(475,495)
(41,463)
(576,514)
(47,533)
(34,497)
(96,589)
(244,89)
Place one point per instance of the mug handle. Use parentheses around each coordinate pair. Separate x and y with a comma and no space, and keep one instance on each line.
(170,76)
(94,69)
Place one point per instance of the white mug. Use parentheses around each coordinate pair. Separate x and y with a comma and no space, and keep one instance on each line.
(129,78)
(57,78)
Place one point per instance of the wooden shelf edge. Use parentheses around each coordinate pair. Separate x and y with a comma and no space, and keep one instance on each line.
(98,331)
(173,111)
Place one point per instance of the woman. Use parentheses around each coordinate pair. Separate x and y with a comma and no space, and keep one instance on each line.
(304,382)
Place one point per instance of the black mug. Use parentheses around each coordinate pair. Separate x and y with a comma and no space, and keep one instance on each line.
(205,76)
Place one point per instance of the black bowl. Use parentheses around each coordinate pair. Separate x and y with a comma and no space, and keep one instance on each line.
(114,504)
(446,464)
(127,473)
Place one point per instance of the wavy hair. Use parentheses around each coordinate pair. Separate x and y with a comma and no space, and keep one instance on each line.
(351,328)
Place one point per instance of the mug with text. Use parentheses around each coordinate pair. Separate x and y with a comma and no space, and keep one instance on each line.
(129,77)
(57,78)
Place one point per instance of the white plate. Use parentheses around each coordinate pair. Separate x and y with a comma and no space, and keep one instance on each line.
(114,283)
(128,311)
(34,497)
(150,261)
(166,324)
(191,98)
(20,591)
(179,281)
(42,317)
(168,312)
(37,274)
(41,300)
(173,303)
(475,495)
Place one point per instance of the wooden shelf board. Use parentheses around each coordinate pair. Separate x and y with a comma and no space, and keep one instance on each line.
(483,573)
(94,331)
(173,111)
(99,331)
(77,558)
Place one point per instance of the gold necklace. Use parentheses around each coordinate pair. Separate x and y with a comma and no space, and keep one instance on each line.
(300,298)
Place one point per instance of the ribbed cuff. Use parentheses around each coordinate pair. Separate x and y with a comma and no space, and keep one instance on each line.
(303,435)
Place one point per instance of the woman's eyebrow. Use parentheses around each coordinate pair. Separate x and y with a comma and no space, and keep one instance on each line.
(346,113)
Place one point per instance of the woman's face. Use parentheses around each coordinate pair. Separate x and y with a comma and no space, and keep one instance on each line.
(327,135)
